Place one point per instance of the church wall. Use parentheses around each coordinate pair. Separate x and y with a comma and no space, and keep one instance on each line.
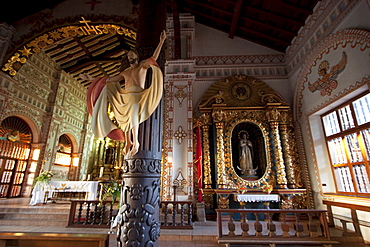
(54,103)
(211,42)
(236,57)
(341,39)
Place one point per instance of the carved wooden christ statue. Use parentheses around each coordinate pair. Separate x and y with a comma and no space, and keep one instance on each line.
(117,112)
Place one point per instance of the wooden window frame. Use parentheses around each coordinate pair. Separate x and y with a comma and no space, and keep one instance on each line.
(342,134)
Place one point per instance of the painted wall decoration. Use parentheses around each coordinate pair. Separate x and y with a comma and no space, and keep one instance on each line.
(327,83)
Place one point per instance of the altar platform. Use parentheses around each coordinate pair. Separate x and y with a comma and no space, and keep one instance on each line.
(203,234)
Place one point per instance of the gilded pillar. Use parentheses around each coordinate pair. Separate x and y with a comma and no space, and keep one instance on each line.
(218,118)
(287,151)
(273,116)
(207,179)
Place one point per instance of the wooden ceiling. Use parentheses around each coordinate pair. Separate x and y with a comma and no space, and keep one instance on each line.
(271,23)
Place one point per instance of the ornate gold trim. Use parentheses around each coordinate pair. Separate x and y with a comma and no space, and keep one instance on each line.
(21,56)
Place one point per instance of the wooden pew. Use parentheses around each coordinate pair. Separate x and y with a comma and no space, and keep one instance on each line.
(34,239)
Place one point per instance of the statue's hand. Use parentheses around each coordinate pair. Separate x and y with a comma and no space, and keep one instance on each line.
(87,77)
(163,36)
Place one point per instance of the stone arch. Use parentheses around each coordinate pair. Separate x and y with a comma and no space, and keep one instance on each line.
(31,124)
(72,138)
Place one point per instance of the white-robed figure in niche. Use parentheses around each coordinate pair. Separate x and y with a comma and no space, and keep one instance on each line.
(245,154)
(117,112)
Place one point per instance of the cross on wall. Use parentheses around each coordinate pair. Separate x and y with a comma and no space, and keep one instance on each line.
(93,3)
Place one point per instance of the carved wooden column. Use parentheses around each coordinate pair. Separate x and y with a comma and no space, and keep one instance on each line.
(286,140)
(218,116)
(140,195)
(273,116)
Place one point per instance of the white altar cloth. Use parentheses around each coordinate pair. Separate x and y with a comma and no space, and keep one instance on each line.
(90,187)
(257,197)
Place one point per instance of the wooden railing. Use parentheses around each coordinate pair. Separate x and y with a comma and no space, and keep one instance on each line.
(279,226)
(90,214)
(174,214)
(177,214)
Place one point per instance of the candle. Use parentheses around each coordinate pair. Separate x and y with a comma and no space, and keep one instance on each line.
(88,177)
(84,177)
(101,172)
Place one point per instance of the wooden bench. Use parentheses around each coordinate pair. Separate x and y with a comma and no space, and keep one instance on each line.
(309,227)
(348,220)
(34,239)
(353,219)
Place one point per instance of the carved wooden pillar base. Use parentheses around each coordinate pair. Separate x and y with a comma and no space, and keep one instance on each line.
(139,224)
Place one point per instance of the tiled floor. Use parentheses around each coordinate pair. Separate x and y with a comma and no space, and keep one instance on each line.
(202,235)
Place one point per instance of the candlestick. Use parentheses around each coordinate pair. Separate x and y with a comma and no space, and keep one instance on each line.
(101,172)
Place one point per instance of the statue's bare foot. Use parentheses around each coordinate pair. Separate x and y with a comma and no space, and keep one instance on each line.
(126,149)
(135,148)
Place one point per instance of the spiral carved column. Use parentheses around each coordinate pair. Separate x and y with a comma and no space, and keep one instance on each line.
(273,115)
(287,156)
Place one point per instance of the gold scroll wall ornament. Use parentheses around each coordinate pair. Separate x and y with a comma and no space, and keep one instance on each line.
(21,56)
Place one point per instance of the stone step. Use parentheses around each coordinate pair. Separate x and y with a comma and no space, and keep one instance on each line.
(34,210)
(52,215)
(40,222)
(32,216)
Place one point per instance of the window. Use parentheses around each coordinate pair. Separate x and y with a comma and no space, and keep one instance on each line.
(347,131)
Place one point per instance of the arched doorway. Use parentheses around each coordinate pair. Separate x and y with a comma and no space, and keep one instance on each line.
(15,139)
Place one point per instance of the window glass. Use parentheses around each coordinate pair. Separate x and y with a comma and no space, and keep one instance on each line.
(337,151)
(331,125)
(354,148)
(362,180)
(344,180)
(362,109)
(345,116)
(366,137)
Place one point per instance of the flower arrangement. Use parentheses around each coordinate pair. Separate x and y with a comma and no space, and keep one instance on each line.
(112,189)
(267,188)
(44,176)
(240,189)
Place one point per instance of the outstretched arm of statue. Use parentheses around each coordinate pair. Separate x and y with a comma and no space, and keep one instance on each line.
(159,47)
(88,77)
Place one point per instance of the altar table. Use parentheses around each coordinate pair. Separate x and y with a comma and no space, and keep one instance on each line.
(265,198)
(257,197)
(42,192)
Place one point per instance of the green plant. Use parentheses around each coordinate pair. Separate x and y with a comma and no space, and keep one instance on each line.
(112,189)
(44,177)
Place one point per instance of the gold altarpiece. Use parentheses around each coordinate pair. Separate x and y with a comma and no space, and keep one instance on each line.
(243,104)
